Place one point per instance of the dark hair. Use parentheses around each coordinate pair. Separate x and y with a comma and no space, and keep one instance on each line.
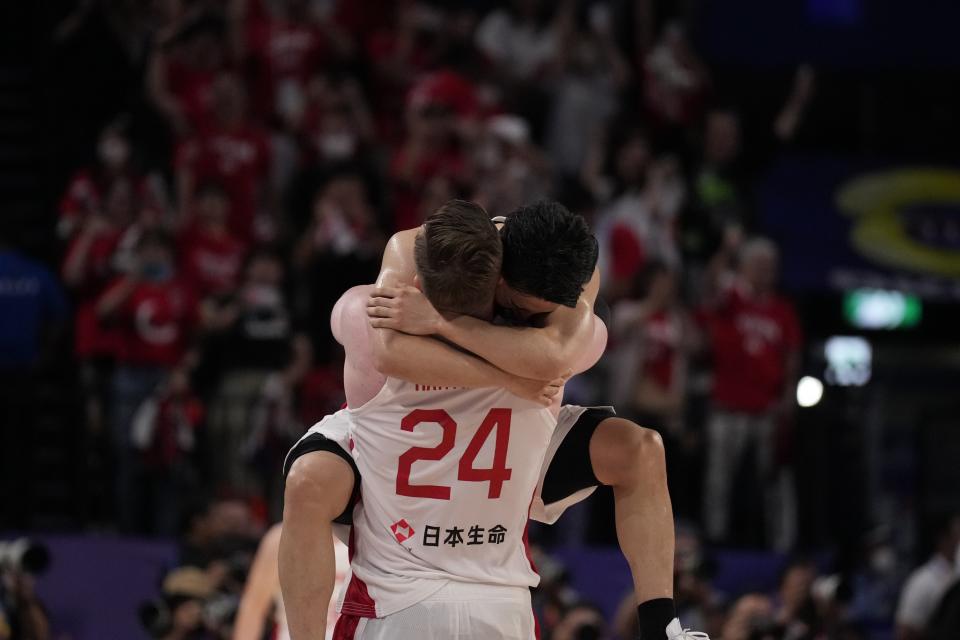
(458,256)
(548,252)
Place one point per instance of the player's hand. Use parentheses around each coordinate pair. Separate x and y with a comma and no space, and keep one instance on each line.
(543,393)
(403,309)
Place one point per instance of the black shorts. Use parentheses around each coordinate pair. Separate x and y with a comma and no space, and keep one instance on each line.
(319,442)
(571,470)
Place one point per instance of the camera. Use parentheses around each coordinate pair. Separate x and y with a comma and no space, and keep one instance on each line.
(24,555)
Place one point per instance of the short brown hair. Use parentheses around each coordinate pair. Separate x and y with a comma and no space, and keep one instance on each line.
(458,254)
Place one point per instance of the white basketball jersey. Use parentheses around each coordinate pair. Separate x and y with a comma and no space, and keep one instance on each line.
(448,476)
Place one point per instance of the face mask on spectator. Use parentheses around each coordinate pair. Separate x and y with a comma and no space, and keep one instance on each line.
(262,296)
(336,146)
(114,151)
(157,272)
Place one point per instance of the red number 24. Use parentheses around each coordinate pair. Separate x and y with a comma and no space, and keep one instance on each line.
(498,419)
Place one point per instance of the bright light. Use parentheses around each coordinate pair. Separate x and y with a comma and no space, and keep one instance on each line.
(849,361)
(809,391)
(880,309)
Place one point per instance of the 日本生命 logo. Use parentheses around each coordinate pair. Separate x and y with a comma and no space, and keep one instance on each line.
(401,530)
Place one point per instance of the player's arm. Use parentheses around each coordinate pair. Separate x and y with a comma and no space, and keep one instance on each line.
(414,358)
(263,585)
(572,338)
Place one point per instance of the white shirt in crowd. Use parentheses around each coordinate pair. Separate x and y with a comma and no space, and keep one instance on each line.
(923,591)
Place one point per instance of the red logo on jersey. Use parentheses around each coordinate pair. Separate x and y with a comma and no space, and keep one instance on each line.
(402,530)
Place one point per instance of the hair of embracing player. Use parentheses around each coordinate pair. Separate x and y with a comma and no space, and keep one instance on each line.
(548,252)
(458,255)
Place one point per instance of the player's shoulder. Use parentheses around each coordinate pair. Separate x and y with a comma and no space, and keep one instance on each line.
(404,238)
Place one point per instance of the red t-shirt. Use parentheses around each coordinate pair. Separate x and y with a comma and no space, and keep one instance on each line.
(91,338)
(751,340)
(238,159)
(661,342)
(154,323)
(281,50)
(193,90)
(86,192)
(406,193)
(626,252)
(173,414)
(209,262)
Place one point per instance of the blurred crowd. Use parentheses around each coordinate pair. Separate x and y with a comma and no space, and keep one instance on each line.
(281,142)
(811,597)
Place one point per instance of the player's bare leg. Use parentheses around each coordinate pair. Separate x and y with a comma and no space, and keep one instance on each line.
(318,489)
(630,459)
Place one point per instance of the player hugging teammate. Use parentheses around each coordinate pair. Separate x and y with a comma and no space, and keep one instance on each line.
(455,434)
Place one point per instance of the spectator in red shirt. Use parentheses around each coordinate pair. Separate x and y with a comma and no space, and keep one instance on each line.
(653,336)
(336,124)
(210,255)
(112,176)
(283,44)
(182,71)
(153,313)
(642,197)
(234,152)
(88,267)
(755,341)
(675,81)
(398,47)
(165,434)
(439,111)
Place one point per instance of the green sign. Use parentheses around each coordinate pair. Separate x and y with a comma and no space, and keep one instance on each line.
(881,309)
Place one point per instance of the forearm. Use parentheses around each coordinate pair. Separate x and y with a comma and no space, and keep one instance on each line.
(428,361)
(523,351)
(76,264)
(114,299)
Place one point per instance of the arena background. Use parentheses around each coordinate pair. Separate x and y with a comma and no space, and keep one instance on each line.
(682,130)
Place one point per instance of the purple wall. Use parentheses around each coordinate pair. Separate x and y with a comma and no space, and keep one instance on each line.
(95,585)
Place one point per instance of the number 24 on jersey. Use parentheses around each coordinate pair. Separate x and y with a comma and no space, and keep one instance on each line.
(496,420)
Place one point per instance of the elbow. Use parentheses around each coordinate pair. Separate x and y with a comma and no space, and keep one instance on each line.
(550,365)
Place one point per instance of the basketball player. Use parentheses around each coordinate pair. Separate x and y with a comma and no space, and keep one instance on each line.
(457,508)
(545,247)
